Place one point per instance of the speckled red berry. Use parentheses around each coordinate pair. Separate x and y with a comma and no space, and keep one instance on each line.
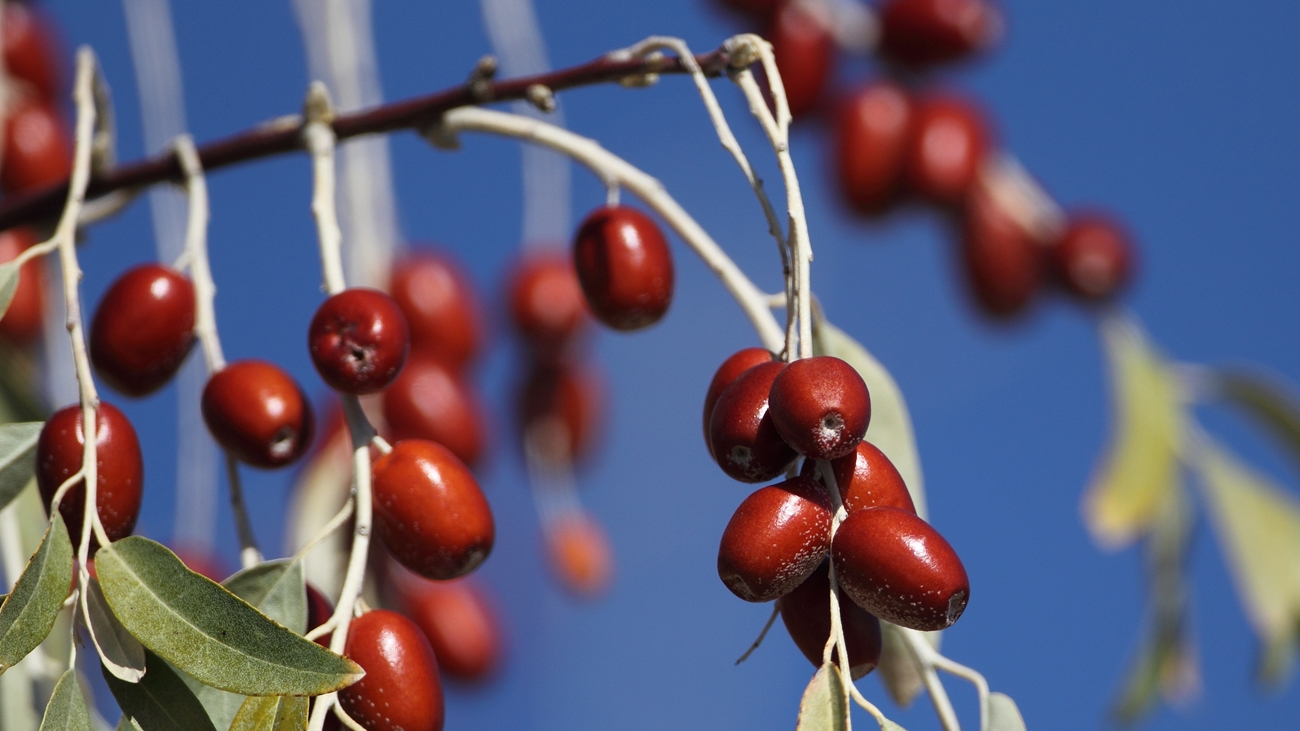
(358,341)
(1001,261)
(401,690)
(950,140)
(805,53)
(458,619)
(866,479)
(430,400)
(745,442)
(624,266)
(547,306)
(872,132)
(440,303)
(806,612)
(259,413)
(894,565)
(1094,258)
(730,370)
(775,539)
(921,33)
(820,406)
(143,329)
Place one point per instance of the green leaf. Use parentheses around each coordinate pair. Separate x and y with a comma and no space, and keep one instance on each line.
(17,457)
(203,629)
(17,704)
(160,701)
(891,424)
(272,713)
(126,723)
(121,653)
(66,710)
(8,284)
(898,670)
(29,611)
(1003,713)
(1269,403)
(1140,467)
(824,706)
(277,589)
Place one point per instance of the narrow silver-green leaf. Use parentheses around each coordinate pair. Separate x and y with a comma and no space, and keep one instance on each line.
(17,457)
(8,284)
(121,653)
(272,713)
(160,701)
(1268,402)
(211,634)
(29,611)
(891,423)
(824,706)
(888,725)
(277,589)
(66,710)
(898,670)
(17,701)
(1004,715)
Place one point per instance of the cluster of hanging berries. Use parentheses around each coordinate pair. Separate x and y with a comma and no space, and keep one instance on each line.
(900,139)
(760,416)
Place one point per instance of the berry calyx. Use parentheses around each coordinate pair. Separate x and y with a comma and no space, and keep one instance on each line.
(1094,258)
(429,400)
(730,370)
(624,266)
(804,50)
(775,539)
(921,33)
(143,329)
(806,612)
(22,322)
(358,341)
(401,690)
(950,140)
(258,413)
(547,306)
(441,307)
(820,406)
(866,479)
(430,512)
(745,442)
(579,554)
(458,620)
(872,131)
(37,149)
(1001,260)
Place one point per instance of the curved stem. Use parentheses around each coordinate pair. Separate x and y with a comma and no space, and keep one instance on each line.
(924,655)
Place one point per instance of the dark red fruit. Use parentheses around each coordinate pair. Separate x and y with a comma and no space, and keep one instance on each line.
(258,413)
(458,620)
(804,50)
(624,267)
(894,565)
(775,539)
(319,610)
(143,329)
(920,33)
(866,479)
(358,341)
(566,402)
(429,400)
(757,9)
(806,611)
(872,132)
(745,442)
(23,320)
(547,306)
(430,512)
(730,370)
(440,304)
(820,406)
(579,554)
(401,690)
(120,467)
(949,142)
(37,149)
(1094,258)
(31,51)
(1000,258)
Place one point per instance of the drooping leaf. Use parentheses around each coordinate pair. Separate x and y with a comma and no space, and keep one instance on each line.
(272,713)
(1258,527)
(277,589)
(17,702)
(1140,466)
(1268,402)
(891,423)
(824,706)
(1003,713)
(29,611)
(897,669)
(160,701)
(17,457)
(211,634)
(66,710)
(121,653)
(8,284)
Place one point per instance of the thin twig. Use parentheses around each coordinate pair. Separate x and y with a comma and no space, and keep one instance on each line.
(758,641)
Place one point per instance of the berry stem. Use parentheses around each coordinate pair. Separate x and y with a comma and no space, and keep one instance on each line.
(776,611)
(924,654)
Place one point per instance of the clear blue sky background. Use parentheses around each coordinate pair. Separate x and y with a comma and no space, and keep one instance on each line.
(1180,117)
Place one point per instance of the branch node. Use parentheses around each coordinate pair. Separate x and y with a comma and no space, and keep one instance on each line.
(480,79)
(541,97)
(637,81)
(318,107)
(742,50)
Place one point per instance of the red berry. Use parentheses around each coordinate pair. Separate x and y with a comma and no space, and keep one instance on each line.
(401,690)
(745,442)
(358,341)
(257,412)
(429,400)
(440,304)
(949,142)
(806,611)
(866,479)
(579,554)
(1094,258)
(430,511)
(143,329)
(872,133)
(730,370)
(22,321)
(118,460)
(547,306)
(31,52)
(1001,260)
(319,610)
(37,149)
(805,54)
(458,620)
(820,406)
(920,33)
(894,565)
(567,401)
(624,267)
(775,539)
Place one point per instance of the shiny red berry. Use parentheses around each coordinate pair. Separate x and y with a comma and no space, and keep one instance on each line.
(894,565)
(775,539)
(1094,258)
(866,479)
(460,623)
(1001,260)
(579,554)
(143,329)
(430,400)
(872,133)
(806,612)
(258,412)
(921,33)
(358,341)
(949,142)
(730,370)
(745,442)
(820,406)
(37,149)
(441,306)
(31,52)
(564,404)
(430,512)
(22,322)
(624,266)
(805,53)
(547,306)
(401,690)
(120,465)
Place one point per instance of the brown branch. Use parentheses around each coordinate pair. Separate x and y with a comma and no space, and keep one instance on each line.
(278,137)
